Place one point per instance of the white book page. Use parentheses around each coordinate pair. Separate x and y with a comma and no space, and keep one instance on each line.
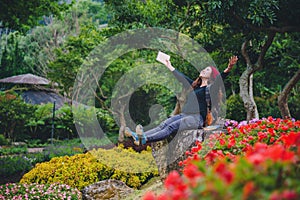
(162,57)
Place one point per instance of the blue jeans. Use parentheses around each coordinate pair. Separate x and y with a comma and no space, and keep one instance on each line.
(174,124)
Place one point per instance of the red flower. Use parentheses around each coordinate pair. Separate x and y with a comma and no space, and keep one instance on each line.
(222,141)
(285,195)
(248,189)
(149,196)
(191,171)
(272,140)
(179,195)
(275,196)
(174,181)
(291,139)
(250,137)
(224,172)
(270,118)
(285,128)
(278,152)
(256,158)
(261,136)
(213,155)
(196,149)
(289,194)
(263,126)
(163,196)
(271,131)
(231,142)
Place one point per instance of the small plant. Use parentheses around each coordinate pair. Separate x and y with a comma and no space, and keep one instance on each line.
(38,191)
(3,140)
(13,150)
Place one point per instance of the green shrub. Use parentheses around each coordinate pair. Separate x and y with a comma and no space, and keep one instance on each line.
(11,165)
(235,108)
(14,114)
(13,150)
(84,169)
(3,140)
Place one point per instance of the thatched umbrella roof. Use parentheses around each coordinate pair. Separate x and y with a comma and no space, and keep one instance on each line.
(26,79)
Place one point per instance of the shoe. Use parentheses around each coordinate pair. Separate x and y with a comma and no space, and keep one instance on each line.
(139,129)
(140,132)
(130,133)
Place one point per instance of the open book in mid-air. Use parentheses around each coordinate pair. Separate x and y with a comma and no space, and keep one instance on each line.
(162,57)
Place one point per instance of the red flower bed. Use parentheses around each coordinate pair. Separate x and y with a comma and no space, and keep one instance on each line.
(255,160)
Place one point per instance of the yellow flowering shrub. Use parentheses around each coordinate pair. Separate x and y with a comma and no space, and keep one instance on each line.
(81,170)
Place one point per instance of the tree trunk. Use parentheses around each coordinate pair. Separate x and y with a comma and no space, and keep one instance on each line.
(179,102)
(246,80)
(122,123)
(283,97)
(246,92)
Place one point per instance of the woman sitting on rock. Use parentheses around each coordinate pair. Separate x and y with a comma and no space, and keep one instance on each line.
(195,109)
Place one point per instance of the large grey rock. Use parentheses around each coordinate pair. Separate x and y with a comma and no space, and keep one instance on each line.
(106,189)
(169,152)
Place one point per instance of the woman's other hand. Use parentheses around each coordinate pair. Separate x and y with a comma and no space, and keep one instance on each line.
(232,61)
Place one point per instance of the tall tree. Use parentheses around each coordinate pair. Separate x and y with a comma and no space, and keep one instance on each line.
(256,23)
(24,14)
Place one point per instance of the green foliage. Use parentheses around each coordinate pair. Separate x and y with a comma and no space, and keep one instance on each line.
(70,57)
(84,169)
(14,114)
(24,14)
(267,107)
(235,108)
(3,140)
(13,150)
(91,11)
(138,14)
(63,148)
(14,164)
(13,55)
(20,164)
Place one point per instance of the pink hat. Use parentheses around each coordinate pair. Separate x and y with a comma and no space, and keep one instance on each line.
(214,72)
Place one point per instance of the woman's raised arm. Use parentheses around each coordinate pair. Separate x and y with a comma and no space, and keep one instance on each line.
(232,61)
(169,65)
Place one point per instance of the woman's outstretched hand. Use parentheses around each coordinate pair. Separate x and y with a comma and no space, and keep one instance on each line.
(169,65)
(232,61)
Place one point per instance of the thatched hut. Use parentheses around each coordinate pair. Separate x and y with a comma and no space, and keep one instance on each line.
(34,89)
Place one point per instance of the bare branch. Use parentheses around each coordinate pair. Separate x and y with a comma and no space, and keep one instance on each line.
(245,53)
(264,49)
(283,97)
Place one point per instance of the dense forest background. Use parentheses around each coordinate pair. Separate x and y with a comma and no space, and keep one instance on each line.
(52,39)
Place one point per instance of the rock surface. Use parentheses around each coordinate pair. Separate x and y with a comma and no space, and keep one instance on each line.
(169,152)
(106,189)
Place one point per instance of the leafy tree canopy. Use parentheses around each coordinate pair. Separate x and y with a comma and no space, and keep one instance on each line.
(24,14)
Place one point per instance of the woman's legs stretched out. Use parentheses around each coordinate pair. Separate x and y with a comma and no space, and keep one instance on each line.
(185,122)
(171,125)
